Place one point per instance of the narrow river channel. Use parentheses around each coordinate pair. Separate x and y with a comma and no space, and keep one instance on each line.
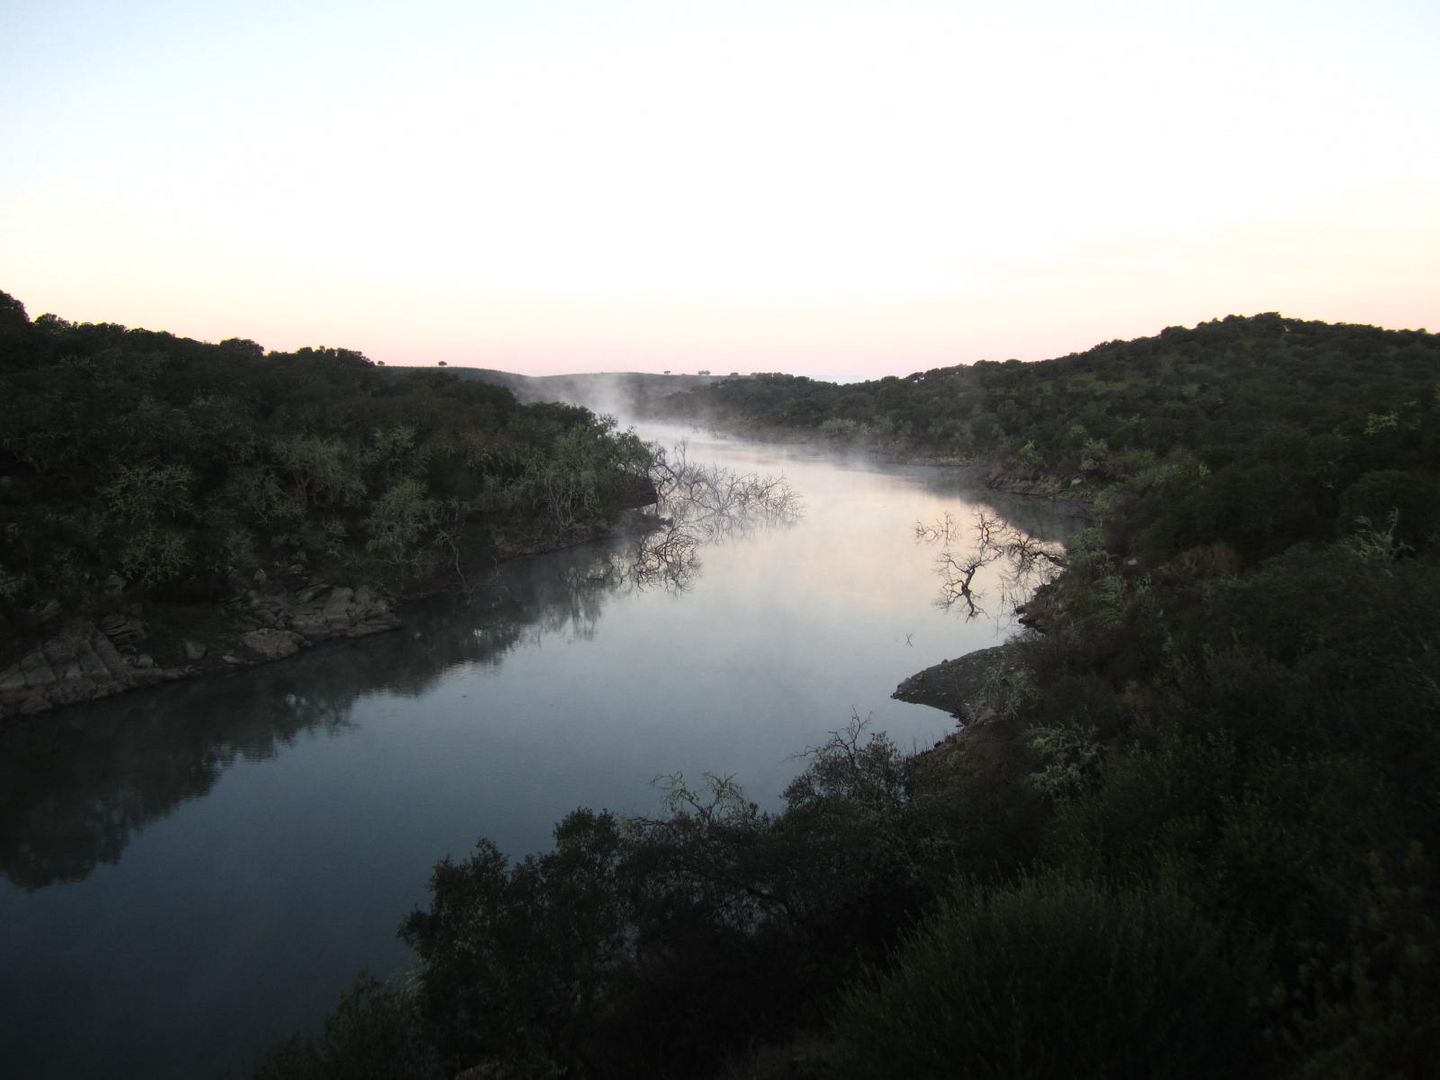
(193,871)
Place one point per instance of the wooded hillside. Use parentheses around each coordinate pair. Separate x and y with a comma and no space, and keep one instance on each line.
(1190,828)
(140,466)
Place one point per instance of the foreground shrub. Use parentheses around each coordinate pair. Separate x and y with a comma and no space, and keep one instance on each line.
(1369,1007)
(1053,978)
(374,1033)
(516,959)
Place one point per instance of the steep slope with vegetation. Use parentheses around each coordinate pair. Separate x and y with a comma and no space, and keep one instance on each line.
(1239,394)
(145,478)
(1191,829)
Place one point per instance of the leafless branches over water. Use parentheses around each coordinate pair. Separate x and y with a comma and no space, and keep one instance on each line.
(699,504)
(1022,562)
(717,500)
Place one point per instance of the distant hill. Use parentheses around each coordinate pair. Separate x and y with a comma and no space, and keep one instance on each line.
(628,393)
(1262,423)
(1154,391)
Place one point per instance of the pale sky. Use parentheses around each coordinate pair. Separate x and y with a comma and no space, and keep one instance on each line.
(826,188)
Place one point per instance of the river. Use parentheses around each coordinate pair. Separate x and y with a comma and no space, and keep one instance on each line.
(192,871)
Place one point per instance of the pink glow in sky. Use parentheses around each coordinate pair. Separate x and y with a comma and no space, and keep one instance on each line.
(838,188)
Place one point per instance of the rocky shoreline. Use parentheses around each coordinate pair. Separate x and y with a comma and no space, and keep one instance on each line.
(271,617)
(958,686)
(92,658)
(1054,488)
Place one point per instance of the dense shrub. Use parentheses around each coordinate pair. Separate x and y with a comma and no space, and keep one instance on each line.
(1188,837)
(375,1033)
(177,467)
(1054,977)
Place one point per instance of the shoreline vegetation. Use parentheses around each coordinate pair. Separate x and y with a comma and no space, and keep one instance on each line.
(1190,824)
(1188,829)
(173,508)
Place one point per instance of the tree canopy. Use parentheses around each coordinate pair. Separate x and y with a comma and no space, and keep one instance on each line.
(138,462)
(1191,825)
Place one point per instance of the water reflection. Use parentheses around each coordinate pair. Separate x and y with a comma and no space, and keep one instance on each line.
(77,786)
(1019,562)
(75,789)
(698,505)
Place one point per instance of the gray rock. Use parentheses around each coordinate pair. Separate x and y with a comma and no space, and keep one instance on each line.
(59,651)
(337,607)
(73,692)
(320,612)
(957,685)
(64,670)
(87,660)
(272,643)
(108,656)
(91,666)
(36,669)
(122,629)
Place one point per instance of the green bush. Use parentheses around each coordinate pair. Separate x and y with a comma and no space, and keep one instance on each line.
(374,1034)
(1412,498)
(516,959)
(1053,977)
(1370,1007)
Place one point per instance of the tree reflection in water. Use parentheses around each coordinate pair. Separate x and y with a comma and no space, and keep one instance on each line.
(77,785)
(699,505)
(1020,563)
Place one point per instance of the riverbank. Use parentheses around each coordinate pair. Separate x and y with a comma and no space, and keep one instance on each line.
(89,658)
(958,686)
(86,656)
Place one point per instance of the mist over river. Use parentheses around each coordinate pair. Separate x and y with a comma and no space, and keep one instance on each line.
(193,871)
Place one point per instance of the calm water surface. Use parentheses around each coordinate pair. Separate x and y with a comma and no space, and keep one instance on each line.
(191,872)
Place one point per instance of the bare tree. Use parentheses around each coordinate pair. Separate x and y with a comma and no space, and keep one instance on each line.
(667,557)
(1025,562)
(719,501)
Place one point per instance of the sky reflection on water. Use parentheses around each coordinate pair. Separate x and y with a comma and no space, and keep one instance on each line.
(192,871)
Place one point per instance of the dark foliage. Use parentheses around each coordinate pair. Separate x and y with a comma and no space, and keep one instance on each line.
(1242,430)
(1053,977)
(659,947)
(373,1034)
(1194,834)
(139,461)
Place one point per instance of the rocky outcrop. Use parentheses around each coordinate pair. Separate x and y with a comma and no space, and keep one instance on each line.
(321,612)
(958,686)
(89,659)
(80,663)
(1074,488)
(270,643)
